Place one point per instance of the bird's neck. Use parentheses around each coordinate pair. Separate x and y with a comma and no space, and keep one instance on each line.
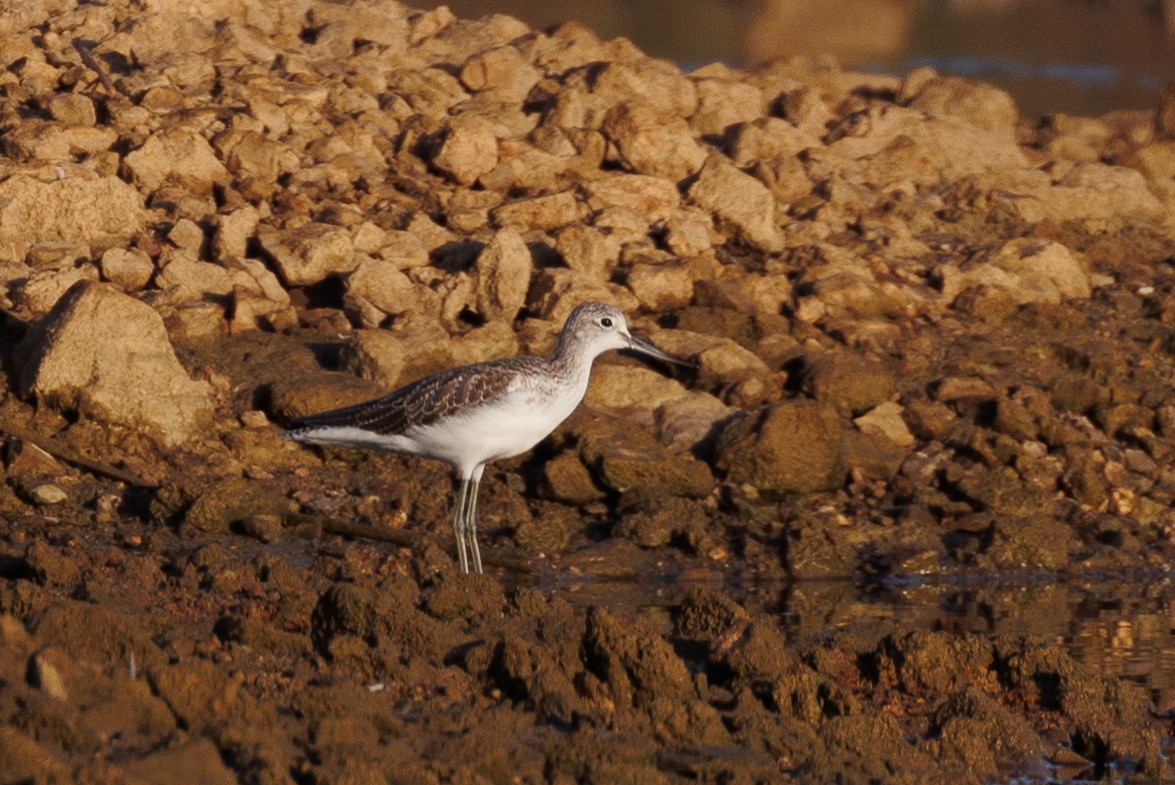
(572,357)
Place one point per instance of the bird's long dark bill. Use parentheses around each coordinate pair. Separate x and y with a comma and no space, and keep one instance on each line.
(638,345)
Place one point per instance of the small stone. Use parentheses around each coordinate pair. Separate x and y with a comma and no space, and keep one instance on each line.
(128,269)
(48,494)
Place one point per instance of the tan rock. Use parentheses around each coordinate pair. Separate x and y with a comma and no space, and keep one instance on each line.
(380,285)
(502,70)
(768,139)
(1046,269)
(405,250)
(632,387)
(979,104)
(540,212)
(488,342)
(186,234)
(52,142)
(73,109)
(852,384)
(886,420)
(690,233)
(1029,270)
(555,292)
(1165,113)
(252,154)
(234,230)
(661,287)
(186,278)
(416,346)
(107,355)
(469,150)
(650,143)
(37,294)
(652,198)
(1155,161)
(738,201)
(749,293)
(176,153)
(504,268)
(723,103)
(308,254)
(128,269)
(588,250)
(100,212)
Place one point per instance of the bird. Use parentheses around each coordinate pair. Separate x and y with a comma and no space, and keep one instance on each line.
(473,414)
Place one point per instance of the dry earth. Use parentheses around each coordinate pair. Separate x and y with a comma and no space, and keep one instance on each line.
(933,340)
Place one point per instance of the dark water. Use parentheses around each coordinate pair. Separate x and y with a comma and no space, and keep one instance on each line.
(1075,56)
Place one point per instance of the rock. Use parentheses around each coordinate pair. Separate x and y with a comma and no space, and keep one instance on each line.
(723,103)
(738,201)
(200,760)
(502,71)
(651,198)
(180,155)
(309,254)
(107,355)
(587,250)
(979,104)
(886,420)
(129,270)
(48,494)
(44,288)
(540,212)
(469,149)
(632,463)
(691,424)
(567,480)
(503,276)
(1029,270)
(791,447)
(379,285)
(661,287)
(416,346)
(851,384)
(99,212)
(185,278)
(652,144)
(234,230)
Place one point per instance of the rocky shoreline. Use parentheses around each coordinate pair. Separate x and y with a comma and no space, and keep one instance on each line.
(933,341)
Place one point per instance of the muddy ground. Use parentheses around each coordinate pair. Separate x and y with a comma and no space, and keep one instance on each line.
(932,344)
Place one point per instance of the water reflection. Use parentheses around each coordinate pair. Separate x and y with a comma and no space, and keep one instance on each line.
(1123,629)
(1076,56)
(1116,628)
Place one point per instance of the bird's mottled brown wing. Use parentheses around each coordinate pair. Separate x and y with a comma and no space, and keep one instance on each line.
(424,401)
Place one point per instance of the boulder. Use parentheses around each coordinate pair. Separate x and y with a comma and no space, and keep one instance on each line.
(309,254)
(503,276)
(107,355)
(99,212)
(179,154)
(738,201)
(791,447)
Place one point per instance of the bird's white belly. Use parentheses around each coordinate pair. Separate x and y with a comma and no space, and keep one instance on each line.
(509,427)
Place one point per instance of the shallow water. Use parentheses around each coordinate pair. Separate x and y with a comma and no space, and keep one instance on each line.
(1074,56)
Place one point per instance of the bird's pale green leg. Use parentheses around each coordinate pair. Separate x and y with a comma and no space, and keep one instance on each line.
(459,524)
(471,524)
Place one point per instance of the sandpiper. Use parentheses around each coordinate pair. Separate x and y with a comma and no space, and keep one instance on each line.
(478,413)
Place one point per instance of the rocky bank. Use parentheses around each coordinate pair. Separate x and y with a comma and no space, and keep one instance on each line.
(933,341)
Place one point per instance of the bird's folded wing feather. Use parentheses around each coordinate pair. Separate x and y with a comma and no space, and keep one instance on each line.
(424,401)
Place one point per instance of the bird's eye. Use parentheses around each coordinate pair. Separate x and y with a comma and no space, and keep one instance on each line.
(605,322)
